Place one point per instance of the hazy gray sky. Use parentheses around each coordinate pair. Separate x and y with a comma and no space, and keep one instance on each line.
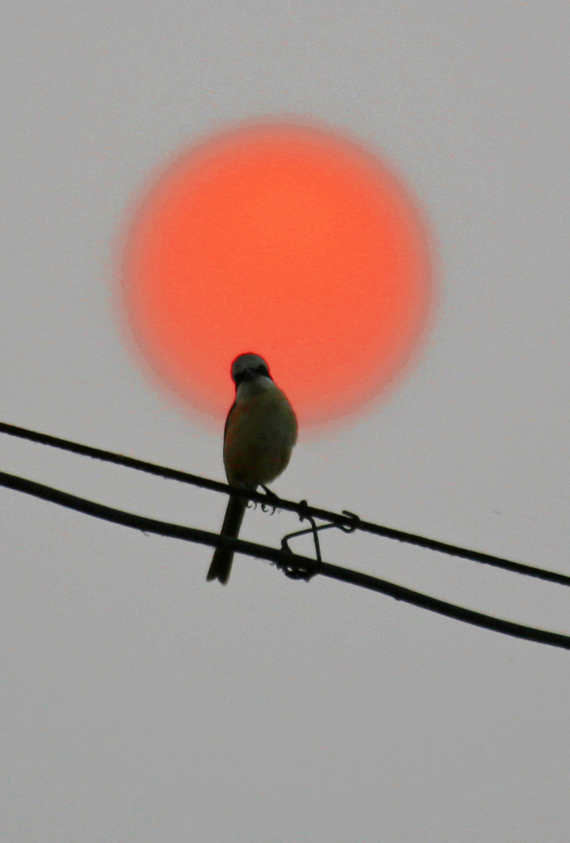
(141,703)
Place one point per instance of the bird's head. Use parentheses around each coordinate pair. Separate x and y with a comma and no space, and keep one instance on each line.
(248,367)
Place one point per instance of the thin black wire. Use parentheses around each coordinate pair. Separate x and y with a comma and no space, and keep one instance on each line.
(289,562)
(303,509)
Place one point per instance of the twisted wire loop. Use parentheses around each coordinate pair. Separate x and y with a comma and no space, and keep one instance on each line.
(304,513)
(350,528)
(296,571)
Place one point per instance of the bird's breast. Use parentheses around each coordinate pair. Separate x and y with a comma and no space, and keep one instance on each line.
(260,435)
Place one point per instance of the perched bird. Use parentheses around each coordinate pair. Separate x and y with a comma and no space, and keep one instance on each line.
(261,429)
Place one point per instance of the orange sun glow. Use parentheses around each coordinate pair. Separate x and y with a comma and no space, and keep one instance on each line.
(289,241)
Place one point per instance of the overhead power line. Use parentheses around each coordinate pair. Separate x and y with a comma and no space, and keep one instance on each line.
(346,519)
(296,566)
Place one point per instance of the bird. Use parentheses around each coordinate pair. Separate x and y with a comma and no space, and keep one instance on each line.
(259,435)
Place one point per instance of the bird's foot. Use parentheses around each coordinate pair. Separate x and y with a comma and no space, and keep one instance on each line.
(272,502)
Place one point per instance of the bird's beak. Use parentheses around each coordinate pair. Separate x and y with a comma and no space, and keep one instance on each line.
(248,374)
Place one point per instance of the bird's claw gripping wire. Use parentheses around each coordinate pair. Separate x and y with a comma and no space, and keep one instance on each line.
(272,502)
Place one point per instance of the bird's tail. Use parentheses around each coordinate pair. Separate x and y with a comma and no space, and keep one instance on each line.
(222,562)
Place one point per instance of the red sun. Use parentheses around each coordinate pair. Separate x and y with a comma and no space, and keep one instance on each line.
(285,240)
